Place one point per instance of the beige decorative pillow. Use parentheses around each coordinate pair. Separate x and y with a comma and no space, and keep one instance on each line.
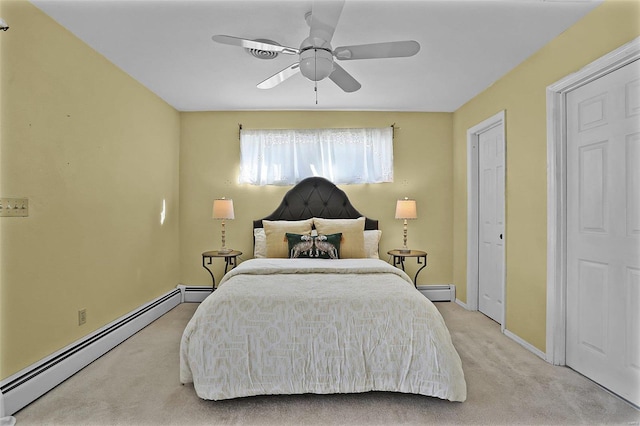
(275,230)
(352,245)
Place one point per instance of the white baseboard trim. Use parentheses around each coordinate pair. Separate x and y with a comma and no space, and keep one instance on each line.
(34,381)
(461,303)
(438,293)
(528,346)
(525,344)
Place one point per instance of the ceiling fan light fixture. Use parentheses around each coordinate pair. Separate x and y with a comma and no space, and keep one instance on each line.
(316,56)
(316,64)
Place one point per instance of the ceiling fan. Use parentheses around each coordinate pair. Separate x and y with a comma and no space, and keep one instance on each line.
(316,56)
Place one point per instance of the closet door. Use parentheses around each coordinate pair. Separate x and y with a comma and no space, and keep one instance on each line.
(491,171)
(603,231)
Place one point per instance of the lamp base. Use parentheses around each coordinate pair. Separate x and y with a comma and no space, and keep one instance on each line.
(404,251)
(225,250)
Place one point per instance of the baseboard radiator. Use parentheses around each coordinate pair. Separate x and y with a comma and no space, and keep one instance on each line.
(194,294)
(34,381)
(438,293)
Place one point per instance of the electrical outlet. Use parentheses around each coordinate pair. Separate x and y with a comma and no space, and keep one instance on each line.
(82,316)
(14,207)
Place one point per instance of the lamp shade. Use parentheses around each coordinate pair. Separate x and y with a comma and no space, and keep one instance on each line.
(406,209)
(223,208)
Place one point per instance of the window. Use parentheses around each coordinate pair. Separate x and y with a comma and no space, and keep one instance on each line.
(285,157)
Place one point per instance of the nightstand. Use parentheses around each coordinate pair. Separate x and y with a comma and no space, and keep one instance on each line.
(230,259)
(399,257)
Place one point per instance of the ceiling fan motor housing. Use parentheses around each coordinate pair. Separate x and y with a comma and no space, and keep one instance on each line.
(316,63)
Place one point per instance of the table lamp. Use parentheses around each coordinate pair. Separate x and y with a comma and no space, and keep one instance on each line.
(223,209)
(406,209)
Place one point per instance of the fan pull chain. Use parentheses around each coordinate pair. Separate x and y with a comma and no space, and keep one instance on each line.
(315,72)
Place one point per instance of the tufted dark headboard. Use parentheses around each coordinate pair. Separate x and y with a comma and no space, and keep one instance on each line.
(315,197)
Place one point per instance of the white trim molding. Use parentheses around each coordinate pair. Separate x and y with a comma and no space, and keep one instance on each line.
(461,303)
(528,346)
(556,190)
(473,211)
(34,381)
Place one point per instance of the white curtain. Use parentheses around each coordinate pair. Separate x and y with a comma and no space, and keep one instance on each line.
(285,157)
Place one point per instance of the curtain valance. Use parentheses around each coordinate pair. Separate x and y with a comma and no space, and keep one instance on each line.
(286,156)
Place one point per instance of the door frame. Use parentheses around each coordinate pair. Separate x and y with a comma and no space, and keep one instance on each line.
(556,191)
(473,213)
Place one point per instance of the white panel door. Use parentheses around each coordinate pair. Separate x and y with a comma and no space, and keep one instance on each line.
(491,222)
(603,231)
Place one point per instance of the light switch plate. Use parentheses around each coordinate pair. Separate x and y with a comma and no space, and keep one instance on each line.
(14,207)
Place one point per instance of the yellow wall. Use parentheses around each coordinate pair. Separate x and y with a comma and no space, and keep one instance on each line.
(209,162)
(522,93)
(95,153)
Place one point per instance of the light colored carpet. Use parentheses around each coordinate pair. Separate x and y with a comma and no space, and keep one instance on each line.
(137,384)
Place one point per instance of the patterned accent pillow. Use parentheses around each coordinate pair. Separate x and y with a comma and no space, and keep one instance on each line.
(300,245)
(328,246)
(314,247)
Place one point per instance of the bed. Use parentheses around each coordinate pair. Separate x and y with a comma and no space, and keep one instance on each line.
(317,322)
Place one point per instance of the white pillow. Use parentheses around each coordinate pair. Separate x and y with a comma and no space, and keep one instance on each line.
(259,243)
(371,243)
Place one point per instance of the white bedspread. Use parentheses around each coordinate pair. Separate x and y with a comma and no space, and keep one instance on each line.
(290,326)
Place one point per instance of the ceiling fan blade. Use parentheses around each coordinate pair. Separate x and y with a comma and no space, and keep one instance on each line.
(253,44)
(278,78)
(392,49)
(343,79)
(324,18)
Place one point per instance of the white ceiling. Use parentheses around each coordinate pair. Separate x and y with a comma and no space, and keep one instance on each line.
(465,47)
